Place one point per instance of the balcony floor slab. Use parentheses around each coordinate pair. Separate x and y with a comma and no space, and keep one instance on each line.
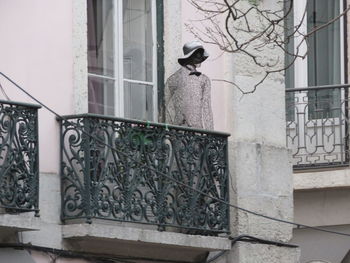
(144,243)
(322,179)
(12,223)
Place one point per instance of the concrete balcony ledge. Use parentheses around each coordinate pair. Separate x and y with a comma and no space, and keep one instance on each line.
(146,243)
(324,179)
(19,222)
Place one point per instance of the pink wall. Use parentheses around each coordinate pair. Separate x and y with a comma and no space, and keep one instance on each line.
(213,67)
(36,52)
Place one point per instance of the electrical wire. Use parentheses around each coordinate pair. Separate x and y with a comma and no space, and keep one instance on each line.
(59,253)
(4,93)
(250,239)
(298,225)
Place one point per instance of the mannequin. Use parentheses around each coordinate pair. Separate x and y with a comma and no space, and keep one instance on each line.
(187,91)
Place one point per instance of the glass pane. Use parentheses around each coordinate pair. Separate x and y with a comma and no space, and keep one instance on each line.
(324,63)
(289,73)
(138,101)
(137,40)
(100,37)
(101,96)
(324,104)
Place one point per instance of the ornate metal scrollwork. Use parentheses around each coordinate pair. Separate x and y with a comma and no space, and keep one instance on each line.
(137,181)
(19,161)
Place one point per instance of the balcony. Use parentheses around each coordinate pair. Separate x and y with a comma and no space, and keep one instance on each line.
(317,126)
(19,165)
(134,181)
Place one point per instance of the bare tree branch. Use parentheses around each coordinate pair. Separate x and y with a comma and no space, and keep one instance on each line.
(246,28)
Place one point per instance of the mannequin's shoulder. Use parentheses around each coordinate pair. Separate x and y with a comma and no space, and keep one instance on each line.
(173,77)
(205,77)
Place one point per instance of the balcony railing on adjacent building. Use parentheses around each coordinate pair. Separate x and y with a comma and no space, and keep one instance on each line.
(19,160)
(125,170)
(317,126)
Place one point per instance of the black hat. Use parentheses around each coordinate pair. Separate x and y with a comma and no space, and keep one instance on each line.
(189,49)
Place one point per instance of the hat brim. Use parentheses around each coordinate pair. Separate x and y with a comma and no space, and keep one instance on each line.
(183,61)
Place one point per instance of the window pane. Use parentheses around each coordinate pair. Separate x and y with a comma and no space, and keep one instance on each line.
(137,40)
(324,45)
(100,37)
(324,63)
(101,96)
(138,101)
(289,73)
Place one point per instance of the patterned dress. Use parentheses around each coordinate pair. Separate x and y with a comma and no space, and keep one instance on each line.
(187,100)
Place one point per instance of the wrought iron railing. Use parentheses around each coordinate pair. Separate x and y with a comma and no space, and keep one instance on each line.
(126,170)
(317,126)
(19,160)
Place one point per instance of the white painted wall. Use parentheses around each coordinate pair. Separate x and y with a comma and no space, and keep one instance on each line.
(317,245)
(322,207)
(330,210)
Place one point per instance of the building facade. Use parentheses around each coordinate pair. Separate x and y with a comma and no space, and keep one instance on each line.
(317,134)
(108,182)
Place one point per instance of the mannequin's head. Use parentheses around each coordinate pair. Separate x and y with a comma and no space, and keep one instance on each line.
(194,54)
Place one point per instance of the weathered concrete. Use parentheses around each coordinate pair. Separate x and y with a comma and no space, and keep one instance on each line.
(128,241)
(256,253)
(261,182)
(331,178)
(145,235)
(19,222)
(49,232)
(172,36)
(80,61)
(260,165)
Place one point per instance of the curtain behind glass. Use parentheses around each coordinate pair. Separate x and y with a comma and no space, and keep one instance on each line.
(101,56)
(137,39)
(138,58)
(323,58)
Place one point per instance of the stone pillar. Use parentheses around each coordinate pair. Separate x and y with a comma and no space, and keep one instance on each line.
(172,36)
(260,164)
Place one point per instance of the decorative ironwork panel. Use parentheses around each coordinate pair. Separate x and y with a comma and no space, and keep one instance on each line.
(317,126)
(19,160)
(135,180)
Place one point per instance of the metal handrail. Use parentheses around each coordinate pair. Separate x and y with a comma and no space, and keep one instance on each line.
(337,86)
(146,123)
(17,103)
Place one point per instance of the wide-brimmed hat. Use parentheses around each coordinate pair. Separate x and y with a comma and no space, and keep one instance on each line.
(189,49)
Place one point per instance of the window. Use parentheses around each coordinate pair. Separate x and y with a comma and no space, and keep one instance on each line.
(316,129)
(324,64)
(122,58)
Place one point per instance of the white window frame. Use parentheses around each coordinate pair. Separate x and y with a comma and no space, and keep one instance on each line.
(301,65)
(301,76)
(119,80)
